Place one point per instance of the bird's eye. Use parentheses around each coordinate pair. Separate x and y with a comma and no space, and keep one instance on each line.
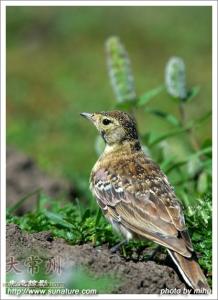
(106,121)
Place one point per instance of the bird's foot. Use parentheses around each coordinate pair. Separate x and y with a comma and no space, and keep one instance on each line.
(152,253)
(117,246)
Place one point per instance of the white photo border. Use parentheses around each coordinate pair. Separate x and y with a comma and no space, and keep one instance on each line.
(4,4)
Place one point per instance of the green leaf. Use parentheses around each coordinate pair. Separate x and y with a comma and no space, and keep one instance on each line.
(204,151)
(57,219)
(148,96)
(127,105)
(155,140)
(164,115)
(98,217)
(79,207)
(42,199)
(22,200)
(146,137)
(86,215)
(193,92)
(196,237)
(194,165)
(165,164)
(202,183)
(175,165)
(192,124)
(187,202)
(202,119)
(206,143)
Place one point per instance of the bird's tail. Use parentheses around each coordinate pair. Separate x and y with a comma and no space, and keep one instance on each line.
(191,272)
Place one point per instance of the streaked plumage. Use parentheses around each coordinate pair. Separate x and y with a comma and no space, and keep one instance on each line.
(135,195)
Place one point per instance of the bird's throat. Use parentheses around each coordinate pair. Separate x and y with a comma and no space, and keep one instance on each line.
(127,147)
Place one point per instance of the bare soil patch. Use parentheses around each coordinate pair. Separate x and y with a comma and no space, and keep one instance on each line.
(135,277)
(24,177)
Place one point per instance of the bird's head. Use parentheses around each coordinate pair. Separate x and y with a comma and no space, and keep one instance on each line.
(114,126)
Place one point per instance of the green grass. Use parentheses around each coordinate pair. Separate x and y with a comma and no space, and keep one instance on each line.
(75,223)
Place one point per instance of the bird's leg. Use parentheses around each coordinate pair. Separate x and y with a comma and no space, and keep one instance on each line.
(117,246)
(153,252)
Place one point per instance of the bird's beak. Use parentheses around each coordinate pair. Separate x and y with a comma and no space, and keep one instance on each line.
(88,116)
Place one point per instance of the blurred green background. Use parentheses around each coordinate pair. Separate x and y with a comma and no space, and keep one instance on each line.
(56,69)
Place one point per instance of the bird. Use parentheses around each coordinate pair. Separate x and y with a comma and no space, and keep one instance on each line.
(136,197)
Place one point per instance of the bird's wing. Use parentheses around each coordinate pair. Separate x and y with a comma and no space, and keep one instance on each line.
(140,198)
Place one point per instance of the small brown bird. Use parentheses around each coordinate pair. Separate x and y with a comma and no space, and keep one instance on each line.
(135,195)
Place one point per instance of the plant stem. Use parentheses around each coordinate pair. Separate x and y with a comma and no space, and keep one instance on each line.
(193,139)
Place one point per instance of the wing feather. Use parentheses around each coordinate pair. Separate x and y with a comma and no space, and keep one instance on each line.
(147,206)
